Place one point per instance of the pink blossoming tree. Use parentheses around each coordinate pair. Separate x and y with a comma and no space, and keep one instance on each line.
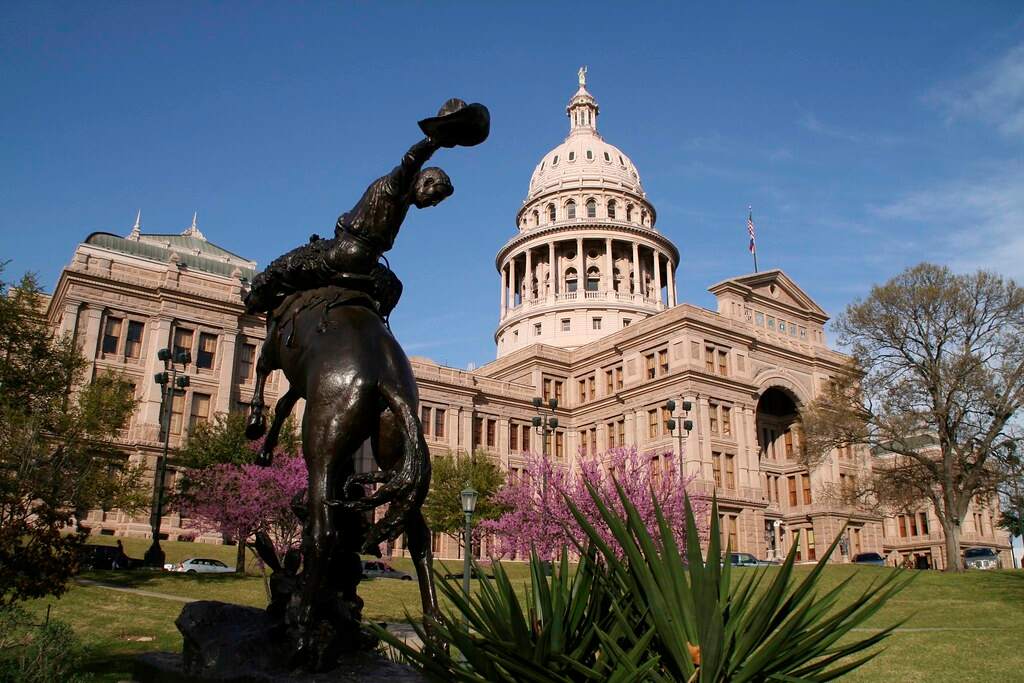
(539,517)
(241,500)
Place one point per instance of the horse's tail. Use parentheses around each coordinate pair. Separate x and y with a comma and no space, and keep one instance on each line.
(408,486)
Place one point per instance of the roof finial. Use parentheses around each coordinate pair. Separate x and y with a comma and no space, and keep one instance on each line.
(137,228)
(193,230)
(583,76)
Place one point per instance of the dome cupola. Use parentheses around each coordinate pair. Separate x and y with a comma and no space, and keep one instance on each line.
(587,259)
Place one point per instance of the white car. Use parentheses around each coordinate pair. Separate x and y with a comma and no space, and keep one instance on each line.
(200,565)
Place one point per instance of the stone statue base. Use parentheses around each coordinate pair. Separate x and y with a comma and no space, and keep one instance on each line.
(226,643)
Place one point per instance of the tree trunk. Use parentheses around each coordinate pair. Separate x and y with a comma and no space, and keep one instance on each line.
(951,530)
(240,558)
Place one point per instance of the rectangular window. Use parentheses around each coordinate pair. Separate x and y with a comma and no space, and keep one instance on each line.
(709,359)
(593,440)
(566,324)
(513,438)
(663,361)
(730,471)
(716,468)
(618,378)
(611,434)
(803,333)
(771,323)
(537,329)
(111,336)
(622,431)
(492,432)
(807,489)
(609,382)
(182,340)
(547,390)
(207,351)
(665,417)
(592,387)
(649,365)
(913,524)
(797,541)
(733,519)
(425,420)
(723,362)
(177,411)
(652,424)
(246,361)
(923,518)
(478,431)
(439,414)
(788,437)
(596,323)
(792,492)
(903,526)
(726,420)
(200,410)
(626,322)
(713,418)
(559,444)
(133,341)
(583,391)
(812,553)
(558,390)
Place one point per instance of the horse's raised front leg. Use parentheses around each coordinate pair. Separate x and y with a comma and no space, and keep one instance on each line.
(281,412)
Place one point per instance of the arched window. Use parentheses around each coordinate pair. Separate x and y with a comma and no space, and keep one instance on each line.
(572,156)
(617,278)
(593,279)
(570,280)
(536,218)
(629,212)
(606,157)
(643,217)
(570,209)
(591,208)
(590,155)
(611,208)
(551,212)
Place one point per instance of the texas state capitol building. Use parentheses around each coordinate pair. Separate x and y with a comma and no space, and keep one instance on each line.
(588,315)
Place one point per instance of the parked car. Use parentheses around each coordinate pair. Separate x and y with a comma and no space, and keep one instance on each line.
(475,574)
(96,557)
(748,560)
(373,569)
(981,558)
(869,558)
(202,565)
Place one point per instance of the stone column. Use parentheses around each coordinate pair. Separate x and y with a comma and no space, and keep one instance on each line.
(528,282)
(453,427)
(90,340)
(609,265)
(504,290)
(225,385)
(69,319)
(636,268)
(551,270)
(657,277)
(581,275)
(670,282)
(157,337)
(512,282)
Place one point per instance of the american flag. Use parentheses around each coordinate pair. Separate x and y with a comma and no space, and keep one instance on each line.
(750,230)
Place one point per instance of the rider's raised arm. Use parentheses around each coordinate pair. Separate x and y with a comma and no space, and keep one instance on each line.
(404,175)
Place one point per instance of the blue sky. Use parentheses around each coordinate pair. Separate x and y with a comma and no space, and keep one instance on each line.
(866,137)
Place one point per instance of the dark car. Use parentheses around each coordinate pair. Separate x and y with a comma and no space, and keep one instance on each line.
(869,558)
(98,557)
(748,560)
(372,569)
(475,573)
(981,558)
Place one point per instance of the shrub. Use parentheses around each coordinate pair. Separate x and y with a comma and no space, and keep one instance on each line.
(36,653)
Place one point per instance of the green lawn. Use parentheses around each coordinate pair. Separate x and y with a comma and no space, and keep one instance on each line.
(959,628)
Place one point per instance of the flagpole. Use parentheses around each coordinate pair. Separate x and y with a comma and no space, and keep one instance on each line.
(750,231)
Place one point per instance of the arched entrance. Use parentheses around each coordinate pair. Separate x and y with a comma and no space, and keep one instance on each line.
(777,420)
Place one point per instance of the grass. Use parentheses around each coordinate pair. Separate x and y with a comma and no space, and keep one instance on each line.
(976,617)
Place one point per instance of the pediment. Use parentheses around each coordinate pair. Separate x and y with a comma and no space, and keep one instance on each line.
(772,287)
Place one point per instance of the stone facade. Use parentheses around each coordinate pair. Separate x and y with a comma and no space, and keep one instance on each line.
(588,314)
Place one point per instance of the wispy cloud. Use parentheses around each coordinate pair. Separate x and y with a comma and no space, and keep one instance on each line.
(809,121)
(975,222)
(994,94)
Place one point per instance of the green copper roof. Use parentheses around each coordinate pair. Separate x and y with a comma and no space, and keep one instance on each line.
(181,245)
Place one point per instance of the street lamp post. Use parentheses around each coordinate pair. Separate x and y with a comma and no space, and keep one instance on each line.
(545,424)
(469,496)
(686,424)
(170,383)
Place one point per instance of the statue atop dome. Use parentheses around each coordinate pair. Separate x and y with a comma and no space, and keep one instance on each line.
(583,76)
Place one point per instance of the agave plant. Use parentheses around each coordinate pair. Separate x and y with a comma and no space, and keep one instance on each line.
(705,629)
(563,631)
(648,611)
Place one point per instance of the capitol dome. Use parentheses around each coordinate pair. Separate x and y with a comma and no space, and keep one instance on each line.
(587,259)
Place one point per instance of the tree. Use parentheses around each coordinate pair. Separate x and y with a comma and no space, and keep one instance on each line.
(241,500)
(58,452)
(449,476)
(222,440)
(1011,517)
(538,516)
(936,378)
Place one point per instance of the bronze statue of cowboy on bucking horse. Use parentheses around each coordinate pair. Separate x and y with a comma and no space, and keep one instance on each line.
(327,304)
